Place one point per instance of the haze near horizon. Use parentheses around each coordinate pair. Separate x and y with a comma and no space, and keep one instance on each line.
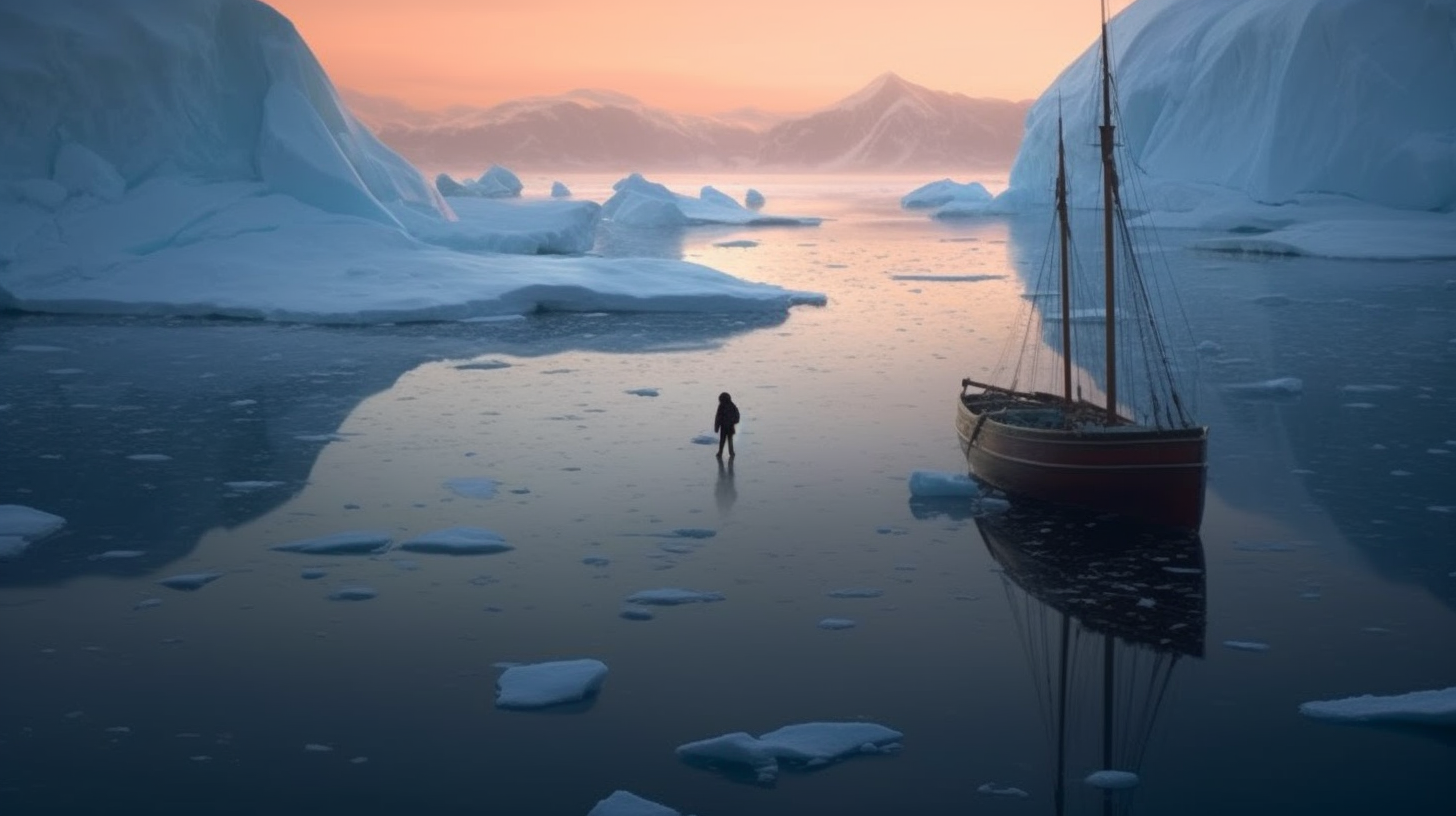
(691,58)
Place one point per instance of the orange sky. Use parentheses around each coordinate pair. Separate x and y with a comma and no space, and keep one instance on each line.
(691,55)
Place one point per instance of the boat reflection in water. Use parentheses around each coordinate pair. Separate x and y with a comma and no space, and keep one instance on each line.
(1105,609)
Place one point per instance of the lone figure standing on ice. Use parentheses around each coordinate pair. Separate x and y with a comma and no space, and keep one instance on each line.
(724,423)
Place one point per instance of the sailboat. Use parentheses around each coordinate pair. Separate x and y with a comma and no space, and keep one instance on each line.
(1105,612)
(1137,453)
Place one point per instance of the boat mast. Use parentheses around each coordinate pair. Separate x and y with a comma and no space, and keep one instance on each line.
(1065,232)
(1109,197)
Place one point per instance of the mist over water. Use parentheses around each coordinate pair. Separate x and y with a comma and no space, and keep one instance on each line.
(1327,537)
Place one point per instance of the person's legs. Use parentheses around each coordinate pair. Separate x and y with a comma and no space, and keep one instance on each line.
(730,445)
(724,439)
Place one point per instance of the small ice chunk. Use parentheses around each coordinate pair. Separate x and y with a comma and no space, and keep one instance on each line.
(150,457)
(636,613)
(249,486)
(353,593)
(147,603)
(1436,707)
(1369,389)
(359,760)
(1282,386)
(472,487)
(28,523)
(537,685)
(190,581)
(559,190)
(643,392)
(624,803)
(693,532)
(991,789)
(596,561)
(12,546)
(313,574)
(836,623)
(118,555)
(458,541)
(805,744)
(356,542)
(672,597)
(929,483)
(1209,347)
(1112,780)
(856,592)
(705,439)
(939,193)
(242,403)
(1247,645)
(753,199)
(318,748)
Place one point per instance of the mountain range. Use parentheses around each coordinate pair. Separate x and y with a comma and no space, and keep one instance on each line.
(889,125)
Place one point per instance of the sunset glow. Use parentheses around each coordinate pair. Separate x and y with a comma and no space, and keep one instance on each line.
(693,57)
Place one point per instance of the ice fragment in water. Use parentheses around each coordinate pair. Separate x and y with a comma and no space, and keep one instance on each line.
(19,521)
(1247,645)
(458,541)
(354,593)
(538,685)
(643,392)
(856,593)
(623,803)
(472,487)
(150,457)
(1436,707)
(929,484)
(357,542)
(1112,780)
(672,597)
(991,789)
(805,744)
(836,623)
(190,581)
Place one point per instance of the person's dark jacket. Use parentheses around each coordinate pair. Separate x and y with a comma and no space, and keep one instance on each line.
(726,418)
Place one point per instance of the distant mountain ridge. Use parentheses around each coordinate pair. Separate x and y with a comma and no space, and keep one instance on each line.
(890,124)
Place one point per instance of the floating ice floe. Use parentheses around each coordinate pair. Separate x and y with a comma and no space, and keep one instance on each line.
(147,603)
(357,542)
(495,182)
(190,581)
(638,202)
(1280,387)
(705,439)
(672,597)
(596,561)
(742,243)
(836,623)
(1247,645)
(992,789)
(807,745)
(856,592)
(472,487)
(117,555)
(250,486)
(1435,707)
(149,457)
(643,392)
(312,574)
(458,541)
(538,685)
(553,227)
(318,748)
(624,803)
(636,613)
(354,593)
(1112,780)
(934,484)
(20,526)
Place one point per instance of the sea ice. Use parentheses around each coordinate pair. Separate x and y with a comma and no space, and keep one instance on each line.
(856,593)
(928,483)
(1247,645)
(1280,387)
(353,593)
(312,574)
(117,555)
(248,487)
(672,597)
(554,227)
(836,623)
(638,202)
(147,603)
(803,745)
(623,803)
(991,789)
(357,542)
(636,613)
(150,457)
(1436,707)
(28,523)
(559,190)
(753,199)
(472,487)
(190,581)
(483,365)
(458,541)
(938,193)
(538,685)
(1112,780)
(318,748)
(643,392)
(12,546)
(705,439)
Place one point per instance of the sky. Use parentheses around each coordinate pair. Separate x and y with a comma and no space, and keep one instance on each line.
(690,55)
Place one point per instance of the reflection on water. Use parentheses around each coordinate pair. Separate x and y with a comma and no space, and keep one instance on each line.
(1311,543)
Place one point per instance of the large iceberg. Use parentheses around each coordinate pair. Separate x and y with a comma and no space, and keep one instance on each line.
(190,157)
(1272,101)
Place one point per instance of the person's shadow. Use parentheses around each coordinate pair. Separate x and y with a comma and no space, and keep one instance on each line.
(724,491)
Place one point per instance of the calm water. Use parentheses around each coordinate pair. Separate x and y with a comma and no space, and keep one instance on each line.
(1329,536)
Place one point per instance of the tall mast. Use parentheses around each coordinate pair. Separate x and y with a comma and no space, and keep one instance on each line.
(1065,233)
(1109,197)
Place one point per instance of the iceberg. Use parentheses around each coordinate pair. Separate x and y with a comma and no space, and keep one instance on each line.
(1334,103)
(559,190)
(496,182)
(626,803)
(939,193)
(638,202)
(131,185)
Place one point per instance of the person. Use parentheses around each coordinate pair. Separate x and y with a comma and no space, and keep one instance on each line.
(725,422)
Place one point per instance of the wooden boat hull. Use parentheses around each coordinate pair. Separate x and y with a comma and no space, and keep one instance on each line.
(1155,476)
